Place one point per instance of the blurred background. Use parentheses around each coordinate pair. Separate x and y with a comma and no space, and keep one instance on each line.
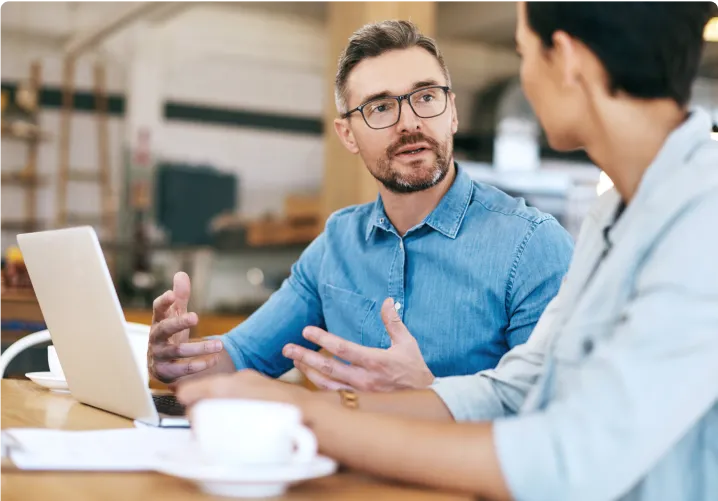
(197,136)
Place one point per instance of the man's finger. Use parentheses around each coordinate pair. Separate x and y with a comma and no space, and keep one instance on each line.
(340,347)
(161,306)
(327,366)
(163,330)
(173,369)
(320,380)
(167,351)
(182,289)
(394,326)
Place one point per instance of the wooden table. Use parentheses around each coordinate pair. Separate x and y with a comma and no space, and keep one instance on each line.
(26,405)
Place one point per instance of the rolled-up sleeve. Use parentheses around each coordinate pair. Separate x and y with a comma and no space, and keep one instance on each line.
(624,406)
(536,277)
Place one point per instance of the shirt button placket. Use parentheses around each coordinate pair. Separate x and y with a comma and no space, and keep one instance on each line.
(400,280)
(397,284)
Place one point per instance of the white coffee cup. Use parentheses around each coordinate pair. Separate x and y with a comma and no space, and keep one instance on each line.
(54,362)
(251,432)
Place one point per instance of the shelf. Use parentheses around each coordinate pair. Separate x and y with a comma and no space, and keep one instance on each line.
(83,220)
(120,247)
(83,175)
(22,131)
(14,295)
(21,225)
(266,232)
(22,178)
(21,121)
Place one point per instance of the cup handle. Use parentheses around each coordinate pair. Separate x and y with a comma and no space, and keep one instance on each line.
(306,444)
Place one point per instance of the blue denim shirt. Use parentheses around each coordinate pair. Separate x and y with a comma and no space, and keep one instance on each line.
(615,396)
(472,280)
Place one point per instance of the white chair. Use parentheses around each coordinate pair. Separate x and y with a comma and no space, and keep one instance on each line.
(21,345)
(139,333)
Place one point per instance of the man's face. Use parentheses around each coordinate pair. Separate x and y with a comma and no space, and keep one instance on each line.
(415,153)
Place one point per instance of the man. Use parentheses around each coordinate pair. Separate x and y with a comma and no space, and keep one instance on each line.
(615,395)
(448,253)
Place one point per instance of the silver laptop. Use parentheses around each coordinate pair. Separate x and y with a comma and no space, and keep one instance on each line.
(83,314)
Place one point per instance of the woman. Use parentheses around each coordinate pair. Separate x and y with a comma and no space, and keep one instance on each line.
(614,395)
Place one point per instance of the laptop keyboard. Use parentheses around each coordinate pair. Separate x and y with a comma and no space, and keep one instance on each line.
(168,404)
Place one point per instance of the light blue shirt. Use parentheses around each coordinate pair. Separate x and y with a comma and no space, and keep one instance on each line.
(471,280)
(615,395)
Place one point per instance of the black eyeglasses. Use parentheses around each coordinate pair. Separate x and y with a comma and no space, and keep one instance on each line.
(383,112)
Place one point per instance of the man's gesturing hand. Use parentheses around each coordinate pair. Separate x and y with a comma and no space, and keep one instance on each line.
(170,355)
(370,369)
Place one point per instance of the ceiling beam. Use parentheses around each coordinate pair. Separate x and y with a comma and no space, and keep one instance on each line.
(169,10)
(94,36)
(36,37)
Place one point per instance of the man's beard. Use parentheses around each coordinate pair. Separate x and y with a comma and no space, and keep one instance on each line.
(394,181)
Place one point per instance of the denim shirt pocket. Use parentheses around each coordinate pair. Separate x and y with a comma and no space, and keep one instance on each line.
(345,312)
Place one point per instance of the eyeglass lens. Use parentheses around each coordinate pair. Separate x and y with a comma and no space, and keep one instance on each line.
(426,103)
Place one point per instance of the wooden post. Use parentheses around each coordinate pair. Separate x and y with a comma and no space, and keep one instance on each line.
(107,201)
(103,151)
(346,179)
(68,89)
(30,169)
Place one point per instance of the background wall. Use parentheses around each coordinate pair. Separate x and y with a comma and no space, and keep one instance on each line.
(236,86)
(272,63)
(228,57)
(17,55)
(210,57)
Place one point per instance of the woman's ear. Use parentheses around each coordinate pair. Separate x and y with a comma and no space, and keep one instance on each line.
(565,54)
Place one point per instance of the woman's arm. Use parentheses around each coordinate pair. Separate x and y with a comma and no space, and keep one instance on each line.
(423,445)
(444,455)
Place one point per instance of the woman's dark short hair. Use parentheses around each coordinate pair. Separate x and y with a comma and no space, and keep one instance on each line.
(649,49)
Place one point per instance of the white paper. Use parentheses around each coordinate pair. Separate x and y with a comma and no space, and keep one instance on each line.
(129,449)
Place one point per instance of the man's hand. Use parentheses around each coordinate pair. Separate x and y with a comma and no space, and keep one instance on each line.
(170,355)
(247,384)
(371,369)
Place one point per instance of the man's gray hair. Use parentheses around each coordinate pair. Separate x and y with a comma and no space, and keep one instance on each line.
(375,39)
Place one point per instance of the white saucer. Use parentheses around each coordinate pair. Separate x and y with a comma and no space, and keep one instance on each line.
(49,380)
(248,481)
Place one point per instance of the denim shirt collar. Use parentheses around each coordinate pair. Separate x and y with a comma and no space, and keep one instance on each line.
(447,216)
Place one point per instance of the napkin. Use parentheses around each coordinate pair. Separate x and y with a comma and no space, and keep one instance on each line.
(127,449)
